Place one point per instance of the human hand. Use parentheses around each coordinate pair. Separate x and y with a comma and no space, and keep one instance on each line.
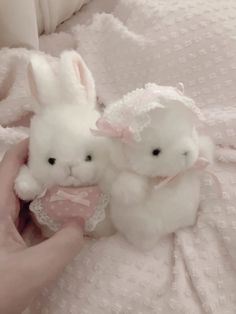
(24,271)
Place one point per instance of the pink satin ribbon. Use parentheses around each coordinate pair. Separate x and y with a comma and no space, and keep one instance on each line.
(80,198)
(200,164)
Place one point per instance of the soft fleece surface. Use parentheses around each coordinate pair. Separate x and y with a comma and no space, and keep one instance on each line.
(135,42)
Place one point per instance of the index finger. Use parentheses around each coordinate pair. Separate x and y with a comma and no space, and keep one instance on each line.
(11,163)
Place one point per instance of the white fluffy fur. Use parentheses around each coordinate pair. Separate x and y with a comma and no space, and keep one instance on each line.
(141,212)
(60,129)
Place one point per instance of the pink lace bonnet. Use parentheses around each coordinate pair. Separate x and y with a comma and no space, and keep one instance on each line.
(126,118)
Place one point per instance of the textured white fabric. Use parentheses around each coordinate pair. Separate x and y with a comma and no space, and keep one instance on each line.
(166,42)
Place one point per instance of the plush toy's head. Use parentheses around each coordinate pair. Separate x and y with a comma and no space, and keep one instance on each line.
(153,131)
(62,149)
(167,146)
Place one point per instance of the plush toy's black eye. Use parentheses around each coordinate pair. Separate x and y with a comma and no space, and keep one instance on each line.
(156,151)
(52,161)
(88,157)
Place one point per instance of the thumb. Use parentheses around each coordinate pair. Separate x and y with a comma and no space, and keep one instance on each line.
(29,270)
(42,263)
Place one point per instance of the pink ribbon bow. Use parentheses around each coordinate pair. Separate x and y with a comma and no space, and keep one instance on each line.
(80,198)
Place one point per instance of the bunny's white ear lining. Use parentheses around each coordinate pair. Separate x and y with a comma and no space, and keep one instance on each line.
(76,79)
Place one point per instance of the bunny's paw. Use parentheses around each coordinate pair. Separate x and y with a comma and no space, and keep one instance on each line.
(26,187)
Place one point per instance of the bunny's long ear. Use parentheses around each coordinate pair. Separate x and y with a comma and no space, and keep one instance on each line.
(42,81)
(77,80)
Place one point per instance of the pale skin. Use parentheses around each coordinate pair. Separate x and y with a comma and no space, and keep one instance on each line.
(25,271)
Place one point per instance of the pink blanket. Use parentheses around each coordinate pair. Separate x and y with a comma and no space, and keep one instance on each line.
(134,42)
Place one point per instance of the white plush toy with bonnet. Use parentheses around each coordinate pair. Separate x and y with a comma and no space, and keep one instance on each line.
(65,161)
(159,157)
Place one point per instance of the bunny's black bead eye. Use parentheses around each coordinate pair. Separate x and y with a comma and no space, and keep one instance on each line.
(88,157)
(156,151)
(52,161)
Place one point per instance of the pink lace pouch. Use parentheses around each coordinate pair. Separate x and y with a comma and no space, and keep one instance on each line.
(57,205)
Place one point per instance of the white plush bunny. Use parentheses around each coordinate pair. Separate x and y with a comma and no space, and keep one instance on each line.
(159,157)
(62,150)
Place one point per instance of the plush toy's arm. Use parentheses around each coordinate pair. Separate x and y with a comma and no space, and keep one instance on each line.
(26,187)
(178,203)
(129,188)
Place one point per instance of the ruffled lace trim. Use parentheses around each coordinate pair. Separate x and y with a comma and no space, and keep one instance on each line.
(44,220)
(133,111)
